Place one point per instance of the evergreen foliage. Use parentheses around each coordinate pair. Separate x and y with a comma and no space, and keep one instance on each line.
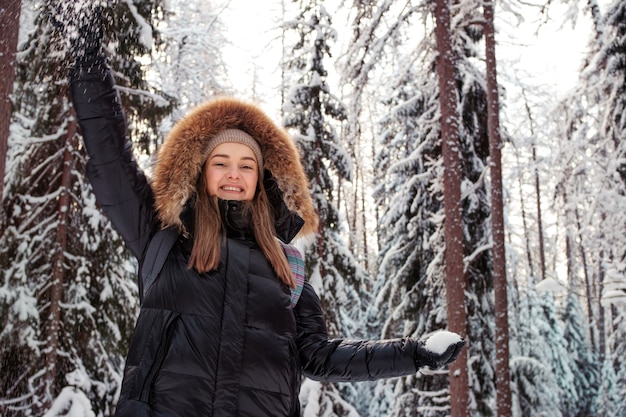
(411,227)
(592,158)
(584,362)
(188,58)
(67,285)
(314,113)
(535,391)
(68,295)
(608,399)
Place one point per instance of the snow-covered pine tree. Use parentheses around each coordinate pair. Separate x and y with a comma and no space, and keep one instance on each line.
(617,345)
(314,113)
(476,206)
(593,183)
(614,370)
(611,63)
(409,191)
(585,363)
(68,297)
(411,230)
(356,64)
(555,352)
(189,60)
(534,389)
(578,251)
(134,30)
(610,94)
(609,398)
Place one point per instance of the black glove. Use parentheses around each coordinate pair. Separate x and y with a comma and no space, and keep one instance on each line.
(287,222)
(438,350)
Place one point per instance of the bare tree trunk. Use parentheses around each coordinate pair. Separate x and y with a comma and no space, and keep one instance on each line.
(600,307)
(455,275)
(354,241)
(569,244)
(522,200)
(58,268)
(364,246)
(542,254)
(503,379)
(10,18)
(601,317)
(591,317)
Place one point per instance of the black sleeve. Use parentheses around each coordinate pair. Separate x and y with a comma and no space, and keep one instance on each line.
(118,183)
(341,360)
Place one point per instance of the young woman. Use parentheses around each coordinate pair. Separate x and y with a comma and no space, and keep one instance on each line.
(218,333)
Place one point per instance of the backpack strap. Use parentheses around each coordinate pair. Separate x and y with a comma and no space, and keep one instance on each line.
(156,254)
(297,268)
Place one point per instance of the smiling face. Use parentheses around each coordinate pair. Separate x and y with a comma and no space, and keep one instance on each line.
(231,172)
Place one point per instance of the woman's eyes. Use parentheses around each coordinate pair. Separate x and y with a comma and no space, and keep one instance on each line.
(224,164)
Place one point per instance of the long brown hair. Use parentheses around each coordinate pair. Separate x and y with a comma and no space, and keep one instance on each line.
(208,232)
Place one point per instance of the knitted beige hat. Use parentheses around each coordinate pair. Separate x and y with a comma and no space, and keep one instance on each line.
(237,136)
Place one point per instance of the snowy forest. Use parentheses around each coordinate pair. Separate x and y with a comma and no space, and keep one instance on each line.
(456,190)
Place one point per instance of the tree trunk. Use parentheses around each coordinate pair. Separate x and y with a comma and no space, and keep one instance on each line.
(364,246)
(591,316)
(529,257)
(542,254)
(503,380)
(352,220)
(601,312)
(58,268)
(455,275)
(10,18)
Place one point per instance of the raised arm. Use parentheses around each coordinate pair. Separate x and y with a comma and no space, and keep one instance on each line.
(341,360)
(120,186)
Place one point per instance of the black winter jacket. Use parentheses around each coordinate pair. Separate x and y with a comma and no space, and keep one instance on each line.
(224,343)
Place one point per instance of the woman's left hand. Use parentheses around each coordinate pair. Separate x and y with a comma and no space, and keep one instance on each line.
(438,350)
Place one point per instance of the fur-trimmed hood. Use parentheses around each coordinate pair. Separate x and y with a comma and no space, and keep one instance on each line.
(181,157)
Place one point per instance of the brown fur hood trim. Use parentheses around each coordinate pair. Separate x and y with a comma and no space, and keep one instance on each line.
(182,155)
